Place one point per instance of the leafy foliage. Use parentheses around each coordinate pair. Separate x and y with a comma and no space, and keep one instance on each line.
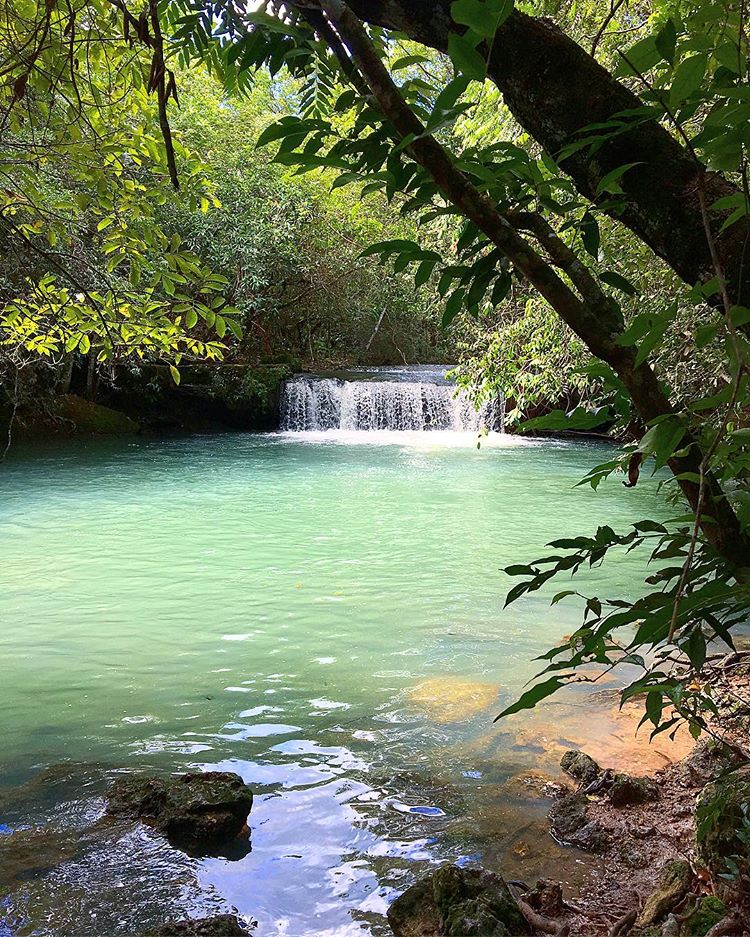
(84,174)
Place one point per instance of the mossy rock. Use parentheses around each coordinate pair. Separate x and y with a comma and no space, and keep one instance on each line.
(722,818)
(572,826)
(674,883)
(580,766)
(710,911)
(78,415)
(457,902)
(197,811)
(222,925)
(628,790)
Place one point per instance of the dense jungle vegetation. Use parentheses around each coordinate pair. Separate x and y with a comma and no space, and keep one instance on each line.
(554,192)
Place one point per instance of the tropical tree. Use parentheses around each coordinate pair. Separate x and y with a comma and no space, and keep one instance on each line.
(87,159)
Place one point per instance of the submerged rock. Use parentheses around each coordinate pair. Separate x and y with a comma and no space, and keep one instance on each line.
(34,852)
(200,810)
(722,821)
(580,766)
(448,699)
(457,902)
(627,790)
(222,925)
(572,826)
(674,883)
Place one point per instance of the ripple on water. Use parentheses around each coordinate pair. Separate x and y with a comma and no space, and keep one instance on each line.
(343,590)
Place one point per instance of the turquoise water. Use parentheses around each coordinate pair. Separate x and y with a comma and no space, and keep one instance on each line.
(310,612)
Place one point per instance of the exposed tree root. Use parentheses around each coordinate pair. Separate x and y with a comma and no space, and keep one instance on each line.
(539,922)
(625,924)
(728,925)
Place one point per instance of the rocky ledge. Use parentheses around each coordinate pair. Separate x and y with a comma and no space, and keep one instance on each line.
(457,902)
(675,850)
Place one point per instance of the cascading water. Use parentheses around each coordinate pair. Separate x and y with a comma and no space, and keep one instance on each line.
(409,399)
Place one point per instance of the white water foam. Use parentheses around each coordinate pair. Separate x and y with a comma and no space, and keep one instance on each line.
(320,404)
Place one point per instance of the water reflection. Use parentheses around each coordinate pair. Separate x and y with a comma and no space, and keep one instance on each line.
(327,621)
(337,830)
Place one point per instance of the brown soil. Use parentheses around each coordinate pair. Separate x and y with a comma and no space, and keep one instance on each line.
(646,837)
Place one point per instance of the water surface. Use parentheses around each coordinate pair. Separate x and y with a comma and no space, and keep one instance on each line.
(322,617)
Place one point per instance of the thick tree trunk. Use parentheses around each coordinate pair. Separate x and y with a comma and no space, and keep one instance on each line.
(555,89)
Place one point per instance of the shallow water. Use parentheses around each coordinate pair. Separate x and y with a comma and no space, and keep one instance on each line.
(324,618)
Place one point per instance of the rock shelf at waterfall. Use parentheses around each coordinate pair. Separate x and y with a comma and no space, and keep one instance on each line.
(418,398)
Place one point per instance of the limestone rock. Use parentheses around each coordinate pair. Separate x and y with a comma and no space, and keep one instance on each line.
(627,790)
(200,810)
(223,925)
(457,902)
(546,897)
(674,883)
(572,826)
(580,766)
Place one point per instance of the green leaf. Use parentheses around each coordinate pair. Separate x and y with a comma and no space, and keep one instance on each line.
(84,345)
(407,60)
(705,334)
(666,40)
(654,706)
(589,228)
(740,315)
(234,327)
(423,272)
(662,440)
(639,58)
(650,342)
(695,648)
(536,694)
(482,16)
(688,77)
(453,306)
(562,595)
(619,282)
(474,14)
(611,182)
(450,94)
(175,374)
(466,59)
(191,318)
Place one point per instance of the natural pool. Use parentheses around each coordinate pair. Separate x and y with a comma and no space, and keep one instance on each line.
(323,617)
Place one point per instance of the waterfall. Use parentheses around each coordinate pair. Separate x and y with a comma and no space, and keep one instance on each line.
(380,402)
